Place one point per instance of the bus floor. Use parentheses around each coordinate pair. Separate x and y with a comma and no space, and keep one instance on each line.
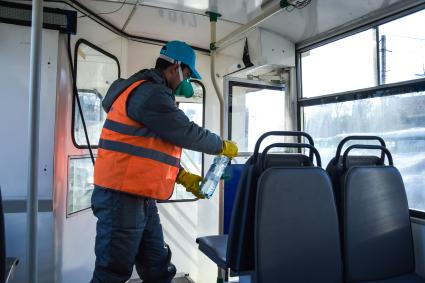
(175,280)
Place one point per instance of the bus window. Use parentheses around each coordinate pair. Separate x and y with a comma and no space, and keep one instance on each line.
(343,65)
(402,41)
(96,70)
(80,184)
(192,161)
(394,112)
(94,116)
(253,110)
(398,119)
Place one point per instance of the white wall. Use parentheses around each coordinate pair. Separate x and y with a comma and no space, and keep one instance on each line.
(14,77)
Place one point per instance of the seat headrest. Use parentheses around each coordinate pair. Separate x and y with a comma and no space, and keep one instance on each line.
(356,160)
(288,160)
(285,160)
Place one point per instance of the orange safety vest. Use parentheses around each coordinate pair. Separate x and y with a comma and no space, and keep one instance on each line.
(133,159)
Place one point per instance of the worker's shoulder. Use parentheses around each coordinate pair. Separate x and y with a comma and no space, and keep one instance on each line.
(150,94)
(149,88)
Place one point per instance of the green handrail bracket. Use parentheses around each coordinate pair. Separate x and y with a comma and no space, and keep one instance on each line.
(213,46)
(284,4)
(213,16)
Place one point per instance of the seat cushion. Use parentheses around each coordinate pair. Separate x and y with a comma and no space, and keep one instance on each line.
(215,248)
(409,278)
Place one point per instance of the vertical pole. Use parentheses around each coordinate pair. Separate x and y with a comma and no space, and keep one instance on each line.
(383,59)
(33,122)
(378,57)
(213,25)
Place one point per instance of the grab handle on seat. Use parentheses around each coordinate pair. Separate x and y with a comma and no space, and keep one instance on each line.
(293,145)
(281,133)
(350,138)
(365,146)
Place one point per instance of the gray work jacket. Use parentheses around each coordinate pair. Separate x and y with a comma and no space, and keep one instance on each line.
(153,104)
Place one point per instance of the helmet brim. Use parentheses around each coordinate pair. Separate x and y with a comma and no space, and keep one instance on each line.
(195,73)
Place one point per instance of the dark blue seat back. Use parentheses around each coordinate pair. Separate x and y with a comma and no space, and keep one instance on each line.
(240,247)
(234,172)
(336,172)
(296,232)
(240,240)
(378,241)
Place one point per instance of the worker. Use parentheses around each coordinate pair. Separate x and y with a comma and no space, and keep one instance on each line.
(138,163)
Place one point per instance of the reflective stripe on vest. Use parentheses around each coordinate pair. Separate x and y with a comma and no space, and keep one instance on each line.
(133,159)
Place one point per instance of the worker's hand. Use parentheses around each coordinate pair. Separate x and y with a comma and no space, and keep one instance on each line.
(229,149)
(190,182)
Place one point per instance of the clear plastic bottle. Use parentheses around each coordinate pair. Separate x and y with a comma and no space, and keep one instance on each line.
(213,176)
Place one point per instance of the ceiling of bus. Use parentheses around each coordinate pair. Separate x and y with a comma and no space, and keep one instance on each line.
(186,20)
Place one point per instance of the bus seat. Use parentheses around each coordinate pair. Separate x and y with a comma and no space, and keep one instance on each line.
(377,234)
(215,247)
(240,248)
(235,251)
(296,233)
(7,264)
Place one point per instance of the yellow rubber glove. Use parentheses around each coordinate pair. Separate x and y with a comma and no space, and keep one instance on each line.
(230,149)
(190,182)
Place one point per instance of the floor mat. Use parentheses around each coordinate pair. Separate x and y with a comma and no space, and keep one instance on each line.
(175,280)
(182,280)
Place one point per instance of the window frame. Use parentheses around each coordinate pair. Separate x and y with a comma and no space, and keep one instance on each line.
(203,154)
(73,157)
(104,52)
(381,90)
(204,91)
(230,83)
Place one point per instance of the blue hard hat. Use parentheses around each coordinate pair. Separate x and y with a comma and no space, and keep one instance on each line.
(180,51)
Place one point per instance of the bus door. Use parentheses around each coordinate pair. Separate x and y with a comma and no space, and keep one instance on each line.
(253,108)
